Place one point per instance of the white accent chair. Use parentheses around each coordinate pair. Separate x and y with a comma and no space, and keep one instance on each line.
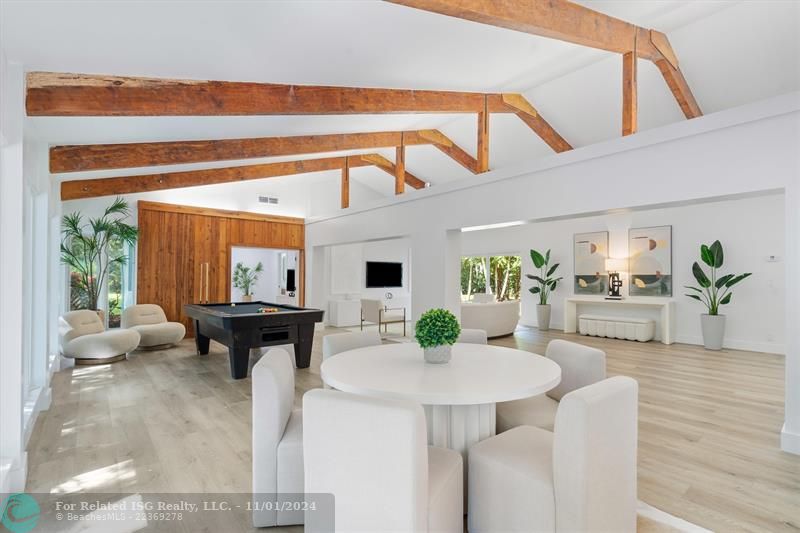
(341,342)
(277,438)
(372,455)
(83,337)
(151,323)
(376,312)
(496,318)
(473,336)
(581,477)
(580,366)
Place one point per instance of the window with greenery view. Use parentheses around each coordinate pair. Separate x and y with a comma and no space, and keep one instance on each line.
(499,275)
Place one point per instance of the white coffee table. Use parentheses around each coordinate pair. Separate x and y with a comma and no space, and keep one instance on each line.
(459,397)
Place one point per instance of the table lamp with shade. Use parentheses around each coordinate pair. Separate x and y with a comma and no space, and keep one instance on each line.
(613,267)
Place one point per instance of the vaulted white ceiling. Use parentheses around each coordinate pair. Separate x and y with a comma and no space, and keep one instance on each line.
(731,53)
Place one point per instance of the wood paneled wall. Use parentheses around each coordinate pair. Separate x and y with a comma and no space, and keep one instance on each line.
(176,241)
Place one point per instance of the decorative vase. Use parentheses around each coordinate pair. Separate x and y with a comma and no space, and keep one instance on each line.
(713,327)
(437,355)
(247,298)
(543,316)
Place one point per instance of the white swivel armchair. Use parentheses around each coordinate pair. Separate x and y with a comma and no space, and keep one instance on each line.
(581,477)
(376,312)
(372,455)
(277,439)
(84,338)
(151,323)
(473,336)
(580,366)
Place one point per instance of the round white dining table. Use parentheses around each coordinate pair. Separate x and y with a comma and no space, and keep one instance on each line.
(459,397)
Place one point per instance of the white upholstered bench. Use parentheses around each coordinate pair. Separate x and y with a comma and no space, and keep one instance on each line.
(616,327)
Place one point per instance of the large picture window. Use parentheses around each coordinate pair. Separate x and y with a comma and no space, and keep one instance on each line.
(498,275)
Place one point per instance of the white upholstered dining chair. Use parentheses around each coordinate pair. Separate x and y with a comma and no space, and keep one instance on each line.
(376,312)
(341,342)
(277,439)
(473,336)
(581,477)
(580,366)
(372,455)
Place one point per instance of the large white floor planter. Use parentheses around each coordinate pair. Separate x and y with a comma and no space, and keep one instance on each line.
(713,327)
(543,316)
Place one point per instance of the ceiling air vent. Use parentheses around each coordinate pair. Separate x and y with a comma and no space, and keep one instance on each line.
(268,199)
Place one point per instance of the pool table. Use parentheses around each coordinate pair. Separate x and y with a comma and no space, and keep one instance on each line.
(240,326)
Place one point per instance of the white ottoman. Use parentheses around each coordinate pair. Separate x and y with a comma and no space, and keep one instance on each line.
(615,327)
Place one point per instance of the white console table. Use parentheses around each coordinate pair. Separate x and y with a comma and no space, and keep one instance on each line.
(665,305)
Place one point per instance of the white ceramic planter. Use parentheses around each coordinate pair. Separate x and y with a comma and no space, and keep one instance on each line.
(713,327)
(543,316)
(437,355)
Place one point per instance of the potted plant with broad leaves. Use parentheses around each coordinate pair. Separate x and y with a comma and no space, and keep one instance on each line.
(91,249)
(244,278)
(436,332)
(545,285)
(714,291)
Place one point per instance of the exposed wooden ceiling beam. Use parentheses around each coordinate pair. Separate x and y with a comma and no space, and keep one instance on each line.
(90,188)
(345,185)
(574,23)
(530,116)
(629,94)
(390,168)
(62,94)
(446,146)
(77,158)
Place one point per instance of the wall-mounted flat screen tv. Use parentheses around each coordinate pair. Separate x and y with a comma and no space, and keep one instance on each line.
(381,275)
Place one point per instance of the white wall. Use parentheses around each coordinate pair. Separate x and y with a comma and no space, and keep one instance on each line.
(734,153)
(24,299)
(320,194)
(267,288)
(750,229)
(347,270)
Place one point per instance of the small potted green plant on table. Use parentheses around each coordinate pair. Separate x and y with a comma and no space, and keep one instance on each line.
(244,278)
(436,332)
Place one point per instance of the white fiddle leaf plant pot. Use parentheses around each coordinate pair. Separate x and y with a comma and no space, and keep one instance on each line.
(713,327)
(543,316)
(714,291)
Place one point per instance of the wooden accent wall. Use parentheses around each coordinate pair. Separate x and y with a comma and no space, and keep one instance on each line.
(176,241)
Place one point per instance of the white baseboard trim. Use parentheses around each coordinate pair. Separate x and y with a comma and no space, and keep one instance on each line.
(13,474)
(732,344)
(790,442)
(737,344)
(40,401)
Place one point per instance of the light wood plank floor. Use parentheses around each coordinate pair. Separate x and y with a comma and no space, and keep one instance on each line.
(171,421)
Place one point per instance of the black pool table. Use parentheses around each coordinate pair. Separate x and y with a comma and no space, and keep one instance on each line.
(240,327)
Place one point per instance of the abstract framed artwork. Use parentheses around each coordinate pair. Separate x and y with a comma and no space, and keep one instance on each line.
(650,261)
(591,251)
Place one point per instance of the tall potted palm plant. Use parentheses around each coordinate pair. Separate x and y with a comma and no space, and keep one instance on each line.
(713,292)
(545,285)
(244,278)
(86,248)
